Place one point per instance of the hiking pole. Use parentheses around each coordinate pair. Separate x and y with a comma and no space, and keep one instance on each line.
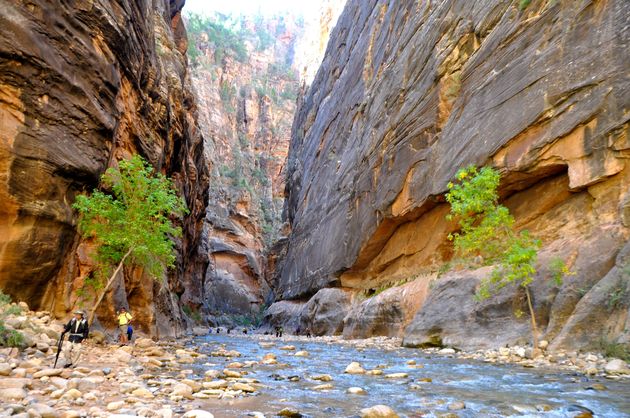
(59,348)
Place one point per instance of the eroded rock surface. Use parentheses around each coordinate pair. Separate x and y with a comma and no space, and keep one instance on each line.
(410,92)
(83,85)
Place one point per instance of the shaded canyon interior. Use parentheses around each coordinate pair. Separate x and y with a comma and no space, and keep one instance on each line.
(320,203)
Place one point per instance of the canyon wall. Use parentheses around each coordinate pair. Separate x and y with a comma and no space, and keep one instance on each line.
(408,93)
(83,85)
(246,85)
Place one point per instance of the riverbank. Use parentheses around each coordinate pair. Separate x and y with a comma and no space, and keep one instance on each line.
(189,376)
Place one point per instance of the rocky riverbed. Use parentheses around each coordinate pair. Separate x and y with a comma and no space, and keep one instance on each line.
(256,375)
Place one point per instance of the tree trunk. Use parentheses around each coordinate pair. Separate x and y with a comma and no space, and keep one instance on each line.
(109,283)
(533,317)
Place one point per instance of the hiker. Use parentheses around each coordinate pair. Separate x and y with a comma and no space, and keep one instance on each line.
(308,332)
(124,320)
(77,329)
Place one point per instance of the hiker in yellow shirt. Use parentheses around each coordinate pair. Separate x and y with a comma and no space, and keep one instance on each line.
(124,319)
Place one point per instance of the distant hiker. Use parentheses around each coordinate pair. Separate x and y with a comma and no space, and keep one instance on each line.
(229,330)
(218,330)
(298,331)
(77,328)
(308,332)
(124,320)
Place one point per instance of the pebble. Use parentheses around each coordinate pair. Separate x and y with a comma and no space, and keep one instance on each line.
(354,368)
(396,376)
(290,412)
(42,411)
(302,354)
(145,393)
(616,366)
(288,348)
(181,389)
(356,391)
(215,384)
(322,377)
(115,406)
(47,373)
(197,413)
(447,351)
(244,387)
(5,369)
(12,394)
(232,373)
(72,394)
(379,411)
(325,386)
(212,374)
(456,406)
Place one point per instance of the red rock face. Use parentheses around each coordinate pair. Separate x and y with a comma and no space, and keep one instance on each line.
(409,93)
(246,109)
(82,85)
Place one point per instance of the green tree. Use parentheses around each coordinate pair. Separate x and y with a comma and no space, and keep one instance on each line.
(131,225)
(486,233)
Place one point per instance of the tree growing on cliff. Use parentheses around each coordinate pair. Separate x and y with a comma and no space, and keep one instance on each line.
(487,233)
(131,225)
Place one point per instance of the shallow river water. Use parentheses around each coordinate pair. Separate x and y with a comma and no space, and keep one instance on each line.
(488,390)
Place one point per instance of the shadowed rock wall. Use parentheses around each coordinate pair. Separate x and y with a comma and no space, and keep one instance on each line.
(82,85)
(411,91)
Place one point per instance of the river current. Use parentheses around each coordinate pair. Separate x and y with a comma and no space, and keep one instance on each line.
(434,383)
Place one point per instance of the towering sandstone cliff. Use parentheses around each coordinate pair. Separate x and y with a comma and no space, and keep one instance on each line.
(246,84)
(408,93)
(82,85)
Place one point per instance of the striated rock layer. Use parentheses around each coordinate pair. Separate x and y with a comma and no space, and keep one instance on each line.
(411,91)
(82,85)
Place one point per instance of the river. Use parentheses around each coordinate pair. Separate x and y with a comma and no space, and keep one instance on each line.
(487,390)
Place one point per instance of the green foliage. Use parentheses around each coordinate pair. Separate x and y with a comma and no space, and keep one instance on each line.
(289,93)
(192,313)
(9,337)
(264,38)
(485,226)
(616,350)
(616,297)
(486,230)
(559,269)
(522,4)
(227,93)
(222,34)
(134,218)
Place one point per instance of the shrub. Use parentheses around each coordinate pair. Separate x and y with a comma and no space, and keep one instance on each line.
(487,233)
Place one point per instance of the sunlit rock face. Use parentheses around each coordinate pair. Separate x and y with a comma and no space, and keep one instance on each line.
(82,85)
(408,93)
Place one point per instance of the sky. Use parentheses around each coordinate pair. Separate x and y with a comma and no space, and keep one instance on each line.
(265,7)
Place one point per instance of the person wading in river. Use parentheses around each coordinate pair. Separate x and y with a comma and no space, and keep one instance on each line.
(124,320)
(77,328)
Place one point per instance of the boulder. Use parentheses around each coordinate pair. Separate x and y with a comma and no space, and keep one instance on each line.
(325,311)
